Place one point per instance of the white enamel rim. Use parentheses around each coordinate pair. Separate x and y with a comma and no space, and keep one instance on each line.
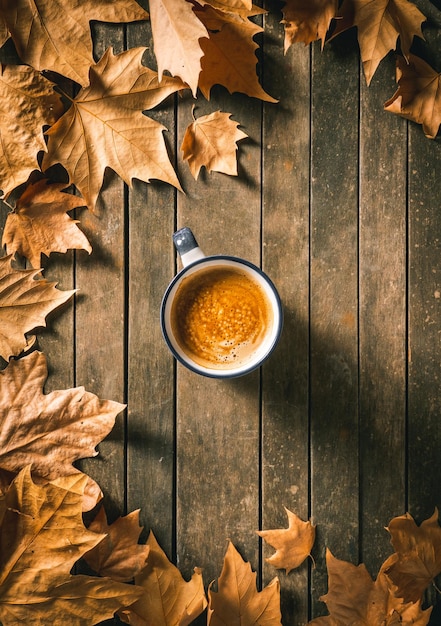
(265,349)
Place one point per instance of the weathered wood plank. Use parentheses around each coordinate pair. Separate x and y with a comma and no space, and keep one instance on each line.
(382,243)
(285,411)
(334,293)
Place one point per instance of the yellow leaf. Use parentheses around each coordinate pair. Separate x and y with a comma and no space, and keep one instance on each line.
(237,600)
(56,36)
(27,103)
(105,126)
(42,536)
(307,22)
(293,544)
(210,142)
(40,223)
(167,600)
(24,305)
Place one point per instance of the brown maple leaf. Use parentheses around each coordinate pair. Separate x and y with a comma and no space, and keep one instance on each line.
(211,142)
(118,556)
(237,600)
(56,36)
(42,535)
(233,6)
(354,598)
(24,304)
(418,555)
(379,25)
(168,599)
(307,22)
(40,223)
(48,431)
(105,126)
(229,54)
(293,544)
(27,103)
(418,97)
(176,33)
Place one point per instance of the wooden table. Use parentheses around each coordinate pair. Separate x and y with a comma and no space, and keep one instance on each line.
(340,202)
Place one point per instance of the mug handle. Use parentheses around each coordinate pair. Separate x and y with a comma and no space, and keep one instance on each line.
(187,246)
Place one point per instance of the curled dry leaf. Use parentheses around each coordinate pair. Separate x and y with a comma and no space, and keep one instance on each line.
(237,600)
(211,142)
(354,598)
(307,21)
(168,599)
(56,36)
(293,544)
(418,96)
(418,555)
(48,431)
(105,126)
(27,103)
(42,536)
(379,25)
(40,223)
(118,556)
(24,304)
(229,54)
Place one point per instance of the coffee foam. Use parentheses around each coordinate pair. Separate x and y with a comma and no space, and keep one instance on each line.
(220,316)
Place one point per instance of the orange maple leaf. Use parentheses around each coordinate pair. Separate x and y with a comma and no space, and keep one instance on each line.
(418,555)
(293,544)
(418,97)
(307,22)
(40,224)
(379,25)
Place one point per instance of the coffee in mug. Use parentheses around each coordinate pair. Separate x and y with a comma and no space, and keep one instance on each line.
(221,316)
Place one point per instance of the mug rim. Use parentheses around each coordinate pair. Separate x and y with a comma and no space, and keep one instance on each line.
(201,370)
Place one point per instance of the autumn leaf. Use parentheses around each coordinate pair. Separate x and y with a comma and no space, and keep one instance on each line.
(418,555)
(24,305)
(379,24)
(418,95)
(42,536)
(48,431)
(229,54)
(56,36)
(354,598)
(210,142)
(168,600)
(27,103)
(105,126)
(237,600)
(293,544)
(232,6)
(118,556)
(176,33)
(307,22)
(40,224)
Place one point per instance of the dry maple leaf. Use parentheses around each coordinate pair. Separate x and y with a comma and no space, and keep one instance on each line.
(293,544)
(211,142)
(105,126)
(56,36)
(168,600)
(237,600)
(118,556)
(418,555)
(229,54)
(176,33)
(42,535)
(24,305)
(418,97)
(48,431)
(40,223)
(27,103)
(354,598)
(379,24)
(235,6)
(307,22)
